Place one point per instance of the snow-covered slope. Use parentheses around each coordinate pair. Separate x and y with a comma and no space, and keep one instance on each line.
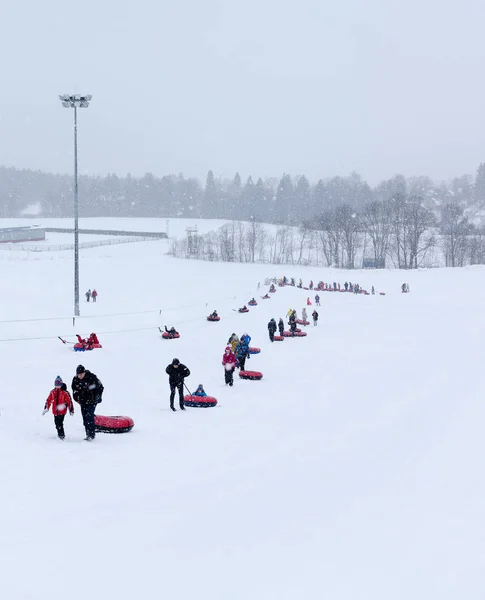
(351,471)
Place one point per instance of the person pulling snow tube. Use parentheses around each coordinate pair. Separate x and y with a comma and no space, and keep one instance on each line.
(252,303)
(253,375)
(209,318)
(199,401)
(116,424)
(254,350)
(297,334)
(168,336)
(278,338)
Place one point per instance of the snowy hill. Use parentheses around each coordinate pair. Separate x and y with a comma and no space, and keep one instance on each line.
(351,471)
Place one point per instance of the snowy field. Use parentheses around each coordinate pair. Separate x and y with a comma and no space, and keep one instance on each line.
(351,471)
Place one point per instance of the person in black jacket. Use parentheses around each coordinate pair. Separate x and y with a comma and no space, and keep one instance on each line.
(177,372)
(172,332)
(315,318)
(272,329)
(281,326)
(87,391)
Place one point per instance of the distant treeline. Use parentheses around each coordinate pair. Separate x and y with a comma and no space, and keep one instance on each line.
(402,218)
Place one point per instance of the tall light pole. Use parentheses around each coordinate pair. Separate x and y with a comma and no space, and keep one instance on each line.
(75,101)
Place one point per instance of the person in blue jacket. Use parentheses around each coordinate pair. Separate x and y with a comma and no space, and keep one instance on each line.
(245,338)
(242,353)
(200,391)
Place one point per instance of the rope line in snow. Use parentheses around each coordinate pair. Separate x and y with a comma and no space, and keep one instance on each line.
(141,312)
(55,337)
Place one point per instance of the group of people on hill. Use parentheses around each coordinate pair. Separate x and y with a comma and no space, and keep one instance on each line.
(321,286)
(87,391)
(239,347)
(292,322)
(91,295)
(234,357)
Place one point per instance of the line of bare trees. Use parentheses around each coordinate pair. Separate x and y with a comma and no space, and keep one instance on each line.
(399,232)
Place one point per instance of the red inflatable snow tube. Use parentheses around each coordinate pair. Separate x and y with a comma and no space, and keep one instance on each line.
(113,424)
(272,291)
(278,338)
(213,318)
(167,336)
(199,401)
(301,322)
(241,310)
(82,348)
(253,375)
(254,350)
(252,304)
(297,333)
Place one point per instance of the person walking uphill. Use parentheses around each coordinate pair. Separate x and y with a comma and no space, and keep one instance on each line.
(87,391)
(272,327)
(281,326)
(315,318)
(60,400)
(242,353)
(229,364)
(177,372)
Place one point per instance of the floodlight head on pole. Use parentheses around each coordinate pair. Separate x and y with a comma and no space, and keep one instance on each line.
(75,100)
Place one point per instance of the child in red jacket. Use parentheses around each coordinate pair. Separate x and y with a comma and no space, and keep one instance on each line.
(229,364)
(60,400)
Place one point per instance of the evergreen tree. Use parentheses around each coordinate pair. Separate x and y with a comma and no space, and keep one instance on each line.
(284,200)
(210,204)
(248,200)
(319,198)
(261,208)
(303,204)
(480,185)
(235,189)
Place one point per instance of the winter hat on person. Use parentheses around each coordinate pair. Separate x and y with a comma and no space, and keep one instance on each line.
(175,361)
(80,369)
(58,382)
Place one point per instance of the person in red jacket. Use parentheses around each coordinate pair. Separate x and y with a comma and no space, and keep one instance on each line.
(94,295)
(229,364)
(60,401)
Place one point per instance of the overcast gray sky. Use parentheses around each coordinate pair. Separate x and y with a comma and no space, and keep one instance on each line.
(260,87)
